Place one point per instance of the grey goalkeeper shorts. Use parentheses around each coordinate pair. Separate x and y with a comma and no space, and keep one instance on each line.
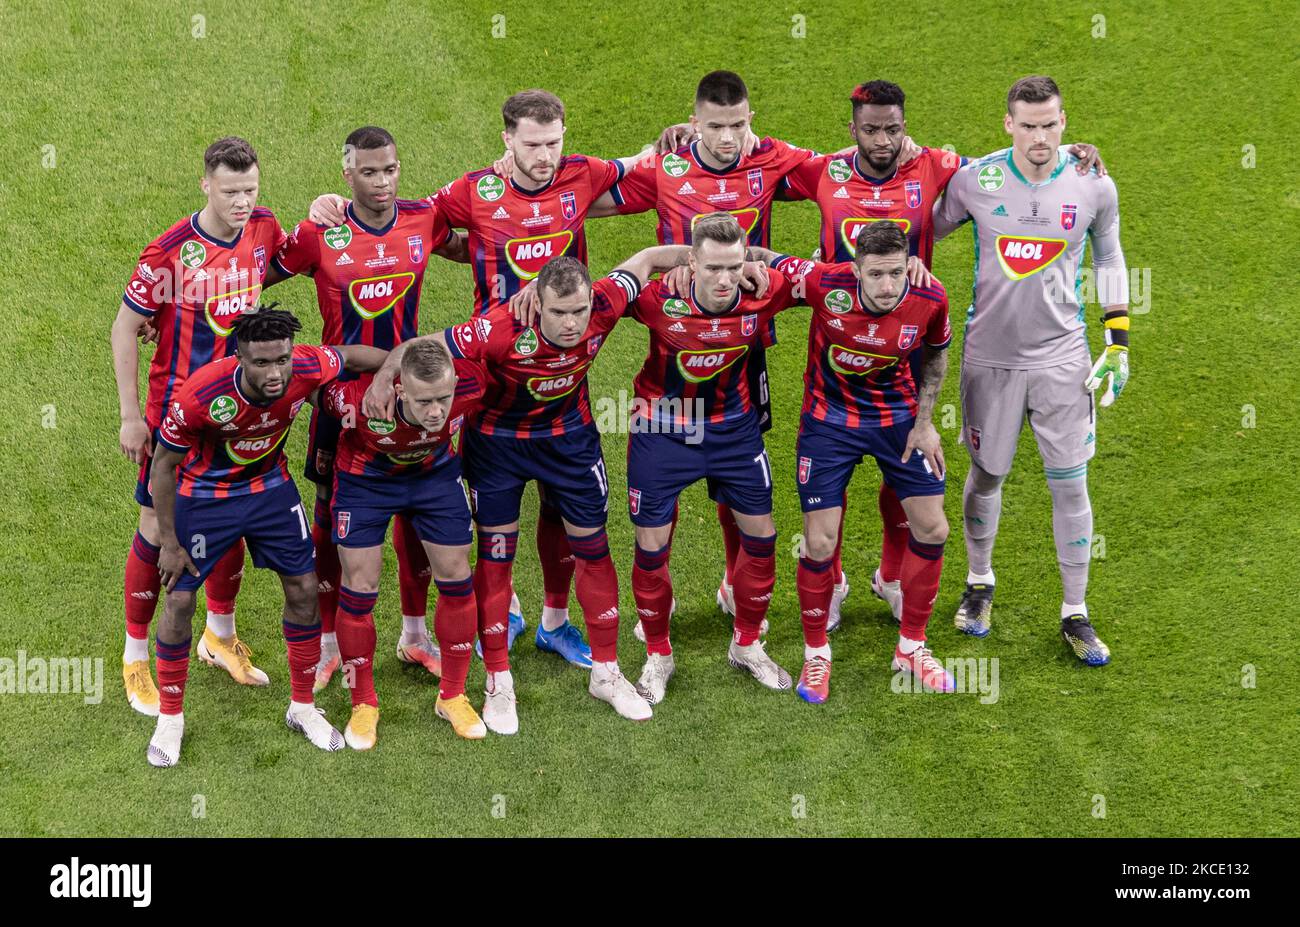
(995,402)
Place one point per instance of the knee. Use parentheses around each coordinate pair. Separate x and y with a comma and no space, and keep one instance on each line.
(930,529)
(983,482)
(819,543)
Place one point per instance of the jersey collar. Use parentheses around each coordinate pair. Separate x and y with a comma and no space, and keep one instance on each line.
(237,377)
(374,231)
(198,230)
(862,300)
(1062,159)
(735,301)
(540,190)
(874,181)
(719,171)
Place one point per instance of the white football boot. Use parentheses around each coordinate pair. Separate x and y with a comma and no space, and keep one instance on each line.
(659,668)
(309,721)
(165,744)
(609,685)
(840,593)
(754,660)
(890,593)
(500,713)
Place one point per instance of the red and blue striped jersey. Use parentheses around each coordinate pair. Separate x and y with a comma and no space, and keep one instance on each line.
(680,188)
(397,447)
(194,286)
(693,370)
(849,199)
(536,389)
(854,376)
(232,445)
(513,232)
(368,280)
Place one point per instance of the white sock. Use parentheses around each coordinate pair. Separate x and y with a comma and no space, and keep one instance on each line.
(605,669)
(907,645)
(553,618)
(1067,610)
(498,680)
(823,651)
(985,578)
(413,628)
(222,625)
(329,641)
(135,649)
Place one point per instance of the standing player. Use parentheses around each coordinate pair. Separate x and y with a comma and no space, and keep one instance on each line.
(694,419)
(225,429)
(712,174)
(876,181)
(369,272)
(536,425)
(405,465)
(1025,354)
(860,400)
(191,284)
(515,226)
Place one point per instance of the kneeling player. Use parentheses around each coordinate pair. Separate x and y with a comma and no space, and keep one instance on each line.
(536,425)
(405,465)
(694,419)
(860,400)
(226,430)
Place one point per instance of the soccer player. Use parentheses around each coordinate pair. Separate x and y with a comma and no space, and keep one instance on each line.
(860,401)
(877,181)
(225,429)
(369,271)
(710,174)
(536,425)
(190,285)
(1025,354)
(694,418)
(405,465)
(515,226)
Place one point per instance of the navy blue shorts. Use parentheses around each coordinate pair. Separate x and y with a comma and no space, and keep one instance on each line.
(828,453)
(322,443)
(143,482)
(569,470)
(272,522)
(731,460)
(435,503)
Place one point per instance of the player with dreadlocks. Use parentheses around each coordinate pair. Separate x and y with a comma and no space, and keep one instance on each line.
(225,430)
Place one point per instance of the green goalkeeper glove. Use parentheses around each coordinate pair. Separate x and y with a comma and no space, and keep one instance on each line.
(1113,364)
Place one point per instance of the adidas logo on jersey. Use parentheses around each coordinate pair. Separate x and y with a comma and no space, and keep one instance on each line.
(201,275)
(841,194)
(686,189)
(677,327)
(1000,211)
(343,260)
(501,213)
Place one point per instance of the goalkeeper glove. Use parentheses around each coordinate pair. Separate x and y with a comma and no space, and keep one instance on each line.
(1113,366)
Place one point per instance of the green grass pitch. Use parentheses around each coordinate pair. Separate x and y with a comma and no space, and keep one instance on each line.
(1190,731)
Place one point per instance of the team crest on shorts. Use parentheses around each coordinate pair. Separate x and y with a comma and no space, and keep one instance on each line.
(755,178)
(344,519)
(805,469)
(634,501)
(569,204)
(974,434)
(907,336)
(913,190)
(748,323)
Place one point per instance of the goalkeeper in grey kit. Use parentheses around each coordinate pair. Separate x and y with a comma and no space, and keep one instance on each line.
(1025,354)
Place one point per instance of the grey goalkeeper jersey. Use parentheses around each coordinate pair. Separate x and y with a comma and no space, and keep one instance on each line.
(1027,310)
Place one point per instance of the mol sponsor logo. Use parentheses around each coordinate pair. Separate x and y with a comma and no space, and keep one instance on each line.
(1022,257)
(221,311)
(852,227)
(371,297)
(748,219)
(527,256)
(698,366)
(855,363)
(250,450)
(548,388)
